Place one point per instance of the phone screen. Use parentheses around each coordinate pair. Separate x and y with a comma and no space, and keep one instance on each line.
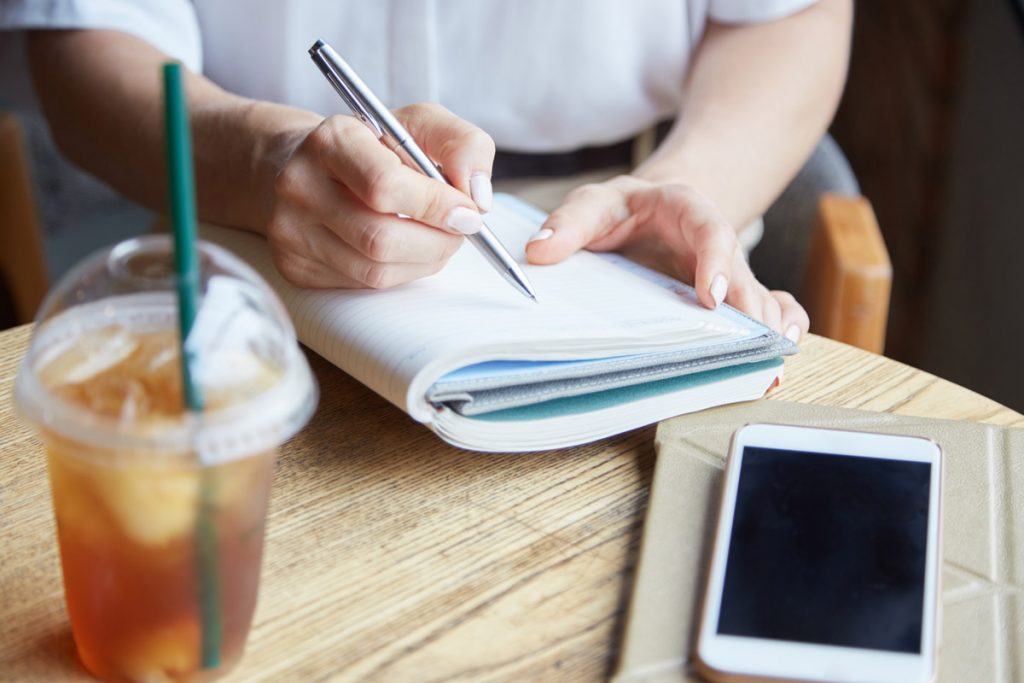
(828,549)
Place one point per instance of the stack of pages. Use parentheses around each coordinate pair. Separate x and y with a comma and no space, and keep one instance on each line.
(608,347)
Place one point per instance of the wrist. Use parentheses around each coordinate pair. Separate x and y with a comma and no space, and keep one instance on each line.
(277,132)
(661,172)
(709,180)
(250,141)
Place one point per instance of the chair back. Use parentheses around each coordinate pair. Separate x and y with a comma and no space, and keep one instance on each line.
(22,265)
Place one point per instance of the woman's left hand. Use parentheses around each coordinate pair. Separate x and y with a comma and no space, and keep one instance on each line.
(672,227)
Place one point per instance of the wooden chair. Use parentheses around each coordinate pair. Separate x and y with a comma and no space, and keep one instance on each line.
(849,276)
(22,266)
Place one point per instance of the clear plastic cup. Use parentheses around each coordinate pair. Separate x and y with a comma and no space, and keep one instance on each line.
(161,512)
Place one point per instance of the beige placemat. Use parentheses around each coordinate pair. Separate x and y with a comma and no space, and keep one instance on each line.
(983,539)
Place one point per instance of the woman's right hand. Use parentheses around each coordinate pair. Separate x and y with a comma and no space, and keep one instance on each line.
(337,198)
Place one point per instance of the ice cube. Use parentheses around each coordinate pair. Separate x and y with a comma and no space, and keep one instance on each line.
(153,506)
(87,356)
(74,495)
(236,375)
(157,364)
(117,396)
(164,655)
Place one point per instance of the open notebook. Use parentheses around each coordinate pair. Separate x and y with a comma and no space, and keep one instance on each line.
(609,347)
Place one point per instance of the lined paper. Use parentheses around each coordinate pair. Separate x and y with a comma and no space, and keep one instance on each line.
(398,341)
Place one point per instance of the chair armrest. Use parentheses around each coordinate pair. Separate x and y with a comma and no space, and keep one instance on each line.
(22,266)
(849,276)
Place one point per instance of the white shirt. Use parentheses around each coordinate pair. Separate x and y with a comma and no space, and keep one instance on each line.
(538,75)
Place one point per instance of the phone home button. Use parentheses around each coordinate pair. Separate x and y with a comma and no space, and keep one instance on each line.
(837,673)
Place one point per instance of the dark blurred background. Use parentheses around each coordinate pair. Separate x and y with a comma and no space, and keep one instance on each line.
(932,124)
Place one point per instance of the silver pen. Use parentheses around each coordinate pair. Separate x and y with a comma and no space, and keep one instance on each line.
(367,108)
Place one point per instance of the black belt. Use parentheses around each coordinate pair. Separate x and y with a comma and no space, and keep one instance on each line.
(557,164)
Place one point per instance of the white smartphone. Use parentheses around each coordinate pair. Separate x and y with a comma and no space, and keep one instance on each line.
(826,559)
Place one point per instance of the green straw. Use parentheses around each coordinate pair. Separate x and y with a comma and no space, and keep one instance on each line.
(186,265)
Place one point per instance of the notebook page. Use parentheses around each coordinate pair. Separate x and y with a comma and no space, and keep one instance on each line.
(398,341)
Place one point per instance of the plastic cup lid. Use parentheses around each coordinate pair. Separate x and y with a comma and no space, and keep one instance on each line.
(242,347)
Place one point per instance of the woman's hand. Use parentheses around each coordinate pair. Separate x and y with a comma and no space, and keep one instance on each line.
(337,198)
(673,228)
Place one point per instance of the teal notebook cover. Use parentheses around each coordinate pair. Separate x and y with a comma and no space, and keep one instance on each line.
(586,403)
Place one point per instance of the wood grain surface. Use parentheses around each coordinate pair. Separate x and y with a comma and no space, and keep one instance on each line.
(393,557)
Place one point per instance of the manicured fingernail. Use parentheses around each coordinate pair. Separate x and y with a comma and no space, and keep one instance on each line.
(481,191)
(541,235)
(464,220)
(719,287)
(793,333)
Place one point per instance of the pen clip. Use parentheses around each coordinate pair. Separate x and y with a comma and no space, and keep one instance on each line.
(352,99)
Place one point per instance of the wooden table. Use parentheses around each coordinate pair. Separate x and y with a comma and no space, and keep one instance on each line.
(391,556)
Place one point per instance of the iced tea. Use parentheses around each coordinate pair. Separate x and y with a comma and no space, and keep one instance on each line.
(127,519)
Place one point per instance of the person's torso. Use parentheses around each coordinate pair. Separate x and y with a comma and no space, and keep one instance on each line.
(535,74)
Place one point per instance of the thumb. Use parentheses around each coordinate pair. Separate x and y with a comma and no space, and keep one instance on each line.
(589,213)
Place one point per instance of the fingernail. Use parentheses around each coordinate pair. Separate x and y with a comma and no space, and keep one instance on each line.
(541,235)
(464,220)
(793,333)
(719,287)
(481,191)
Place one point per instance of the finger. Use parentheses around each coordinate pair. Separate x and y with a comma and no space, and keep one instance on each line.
(391,239)
(361,248)
(380,237)
(696,231)
(714,247)
(308,273)
(589,213)
(795,322)
(375,274)
(465,152)
(356,159)
(747,300)
(746,293)
(771,311)
(311,274)
(336,264)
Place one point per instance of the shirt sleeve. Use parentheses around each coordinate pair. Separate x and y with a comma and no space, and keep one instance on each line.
(168,25)
(752,11)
